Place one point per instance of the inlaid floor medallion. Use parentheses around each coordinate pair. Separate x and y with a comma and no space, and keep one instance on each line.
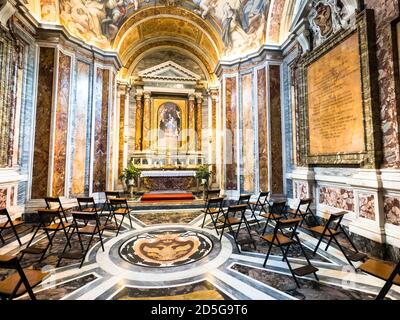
(166,248)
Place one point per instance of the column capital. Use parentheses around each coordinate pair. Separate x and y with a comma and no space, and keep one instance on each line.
(138,95)
(199,97)
(147,94)
(192,96)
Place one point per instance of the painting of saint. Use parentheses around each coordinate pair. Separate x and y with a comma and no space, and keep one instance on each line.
(169,125)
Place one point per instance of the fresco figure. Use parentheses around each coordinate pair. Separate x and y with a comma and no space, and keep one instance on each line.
(205,8)
(115,11)
(251,9)
(227,24)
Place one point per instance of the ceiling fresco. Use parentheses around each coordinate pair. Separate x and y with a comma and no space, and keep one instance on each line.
(241,25)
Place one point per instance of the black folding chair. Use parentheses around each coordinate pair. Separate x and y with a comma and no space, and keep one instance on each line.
(106,205)
(228,221)
(50,221)
(87,204)
(18,283)
(212,193)
(332,229)
(262,204)
(244,199)
(9,224)
(119,206)
(276,212)
(81,227)
(303,214)
(285,235)
(213,207)
(390,272)
(54,203)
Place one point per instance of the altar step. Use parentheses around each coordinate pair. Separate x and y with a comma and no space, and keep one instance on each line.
(158,197)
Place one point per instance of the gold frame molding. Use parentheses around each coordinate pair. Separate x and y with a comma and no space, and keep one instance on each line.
(156,103)
(371,157)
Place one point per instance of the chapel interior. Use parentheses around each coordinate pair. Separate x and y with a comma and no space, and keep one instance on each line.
(199,149)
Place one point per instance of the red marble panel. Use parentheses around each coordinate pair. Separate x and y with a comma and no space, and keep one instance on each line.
(367,206)
(42,123)
(392,210)
(3,197)
(276,129)
(386,11)
(231,147)
(248,133)
(79,133)
(262,130)
(100,130)
(300,190)
(337,198)
(61,128)
(12,196)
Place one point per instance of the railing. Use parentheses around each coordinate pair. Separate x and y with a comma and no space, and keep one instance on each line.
(167,160)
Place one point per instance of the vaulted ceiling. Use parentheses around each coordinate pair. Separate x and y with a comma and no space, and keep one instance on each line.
(204,31)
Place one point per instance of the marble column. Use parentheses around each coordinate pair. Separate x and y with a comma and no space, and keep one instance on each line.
(138,122)
(192,123)
(199,125)
(146,122)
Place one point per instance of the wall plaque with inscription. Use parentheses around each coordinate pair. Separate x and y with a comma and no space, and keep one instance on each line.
(339,117)
(335,106)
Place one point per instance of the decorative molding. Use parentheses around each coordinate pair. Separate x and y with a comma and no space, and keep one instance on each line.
(169,71)
(7,9)
(327,17)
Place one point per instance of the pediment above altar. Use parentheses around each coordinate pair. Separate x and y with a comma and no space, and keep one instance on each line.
(169,71)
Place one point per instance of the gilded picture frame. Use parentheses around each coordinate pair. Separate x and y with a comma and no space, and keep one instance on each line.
(160,102)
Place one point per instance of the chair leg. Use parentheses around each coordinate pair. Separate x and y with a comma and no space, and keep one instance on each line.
(266,225)
(318,244)
(290,267)
(47,247)
(204,220)
(341,249)
(119,227)
(86,251)
(130,220)
(349,239)
(328,244)
(1,237)
(268,253)
(65,248)
(16,234)
(101,240)
(214,223)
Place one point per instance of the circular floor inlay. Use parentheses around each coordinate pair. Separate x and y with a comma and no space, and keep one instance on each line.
(166,248)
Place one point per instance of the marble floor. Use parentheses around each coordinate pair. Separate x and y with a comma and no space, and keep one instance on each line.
(167,255)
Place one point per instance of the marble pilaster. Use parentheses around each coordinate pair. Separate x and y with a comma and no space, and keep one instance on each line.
(213,144)
(43,121)
(262,130)
(61,126)
(199,121)
(192,124)
(231,133)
